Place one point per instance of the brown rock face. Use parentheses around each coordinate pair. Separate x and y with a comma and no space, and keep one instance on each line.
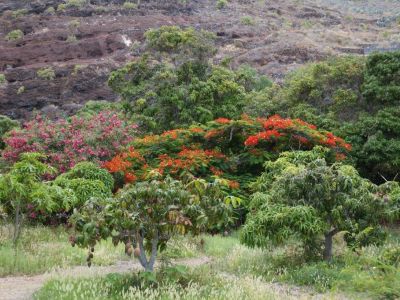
(82,44)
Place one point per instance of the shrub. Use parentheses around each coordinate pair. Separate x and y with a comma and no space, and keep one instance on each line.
(19,13)
(129,5)
(302,195)
(67,142)
(75,3)
(3,79)
(221,4)
(71,38)
(50,10)
(247,20)
(20,90)
(382,83)
(46,73)
(6,124)
(14,35)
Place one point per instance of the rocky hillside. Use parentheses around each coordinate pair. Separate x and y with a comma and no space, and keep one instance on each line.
(56,55)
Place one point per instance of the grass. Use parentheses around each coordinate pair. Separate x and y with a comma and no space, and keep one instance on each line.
(236,271)
(42,249)
(200,283)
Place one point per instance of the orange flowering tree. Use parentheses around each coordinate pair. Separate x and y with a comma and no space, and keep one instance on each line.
(231,149)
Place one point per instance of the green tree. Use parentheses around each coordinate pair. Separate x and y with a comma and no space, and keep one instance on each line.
(19,187)
(382,79)
(174,84)
(144,216)
(301,194)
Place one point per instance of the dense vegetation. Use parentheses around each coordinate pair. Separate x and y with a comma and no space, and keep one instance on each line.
(310,168)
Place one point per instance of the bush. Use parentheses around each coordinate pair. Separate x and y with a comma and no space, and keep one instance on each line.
(6,124)
(21,90)
(382,83)
(46,73)
(67,142)
(221,4)
(129,5)
(14,35)
(247,20)
(19,13)
(3,79)
(89,171)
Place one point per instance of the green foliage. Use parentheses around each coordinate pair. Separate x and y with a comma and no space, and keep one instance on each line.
(221,4)
(187,44)
(354,97)
(329,86)
(6,124)
(376,144)
(86,181)
(161,95)
(247,20)
(50,10)
(129,5)
(146,214)
(382,81)
(301,195)
(21,185)
(71,38)
(94,107)
(20,90)
(46,73)
(19,13)
(14,35)
(3,79)
(391,256)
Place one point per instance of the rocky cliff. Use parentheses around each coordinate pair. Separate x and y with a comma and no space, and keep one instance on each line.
(56,55)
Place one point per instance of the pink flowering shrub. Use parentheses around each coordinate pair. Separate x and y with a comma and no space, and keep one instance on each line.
(68,142)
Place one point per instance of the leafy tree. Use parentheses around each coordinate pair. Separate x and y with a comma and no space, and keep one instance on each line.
(231,149)
(376,144)
(145,215)
(332,86)
(173,84)
(20,186)
(382,79)
(301,194)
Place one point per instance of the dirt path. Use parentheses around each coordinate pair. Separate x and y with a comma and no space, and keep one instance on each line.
(23,287)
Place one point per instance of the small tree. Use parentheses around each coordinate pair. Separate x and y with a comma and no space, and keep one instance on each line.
(19,186)
(302,195)
(144,216)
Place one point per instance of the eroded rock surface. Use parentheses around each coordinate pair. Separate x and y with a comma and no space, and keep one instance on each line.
(83,44)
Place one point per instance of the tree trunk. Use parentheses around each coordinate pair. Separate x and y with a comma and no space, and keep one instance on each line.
(148,265)
(328,244)
(17,224)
